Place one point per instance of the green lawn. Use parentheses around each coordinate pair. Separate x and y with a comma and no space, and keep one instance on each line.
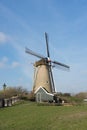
(30,116)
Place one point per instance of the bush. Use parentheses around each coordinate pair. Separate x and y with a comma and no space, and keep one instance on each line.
(12,91)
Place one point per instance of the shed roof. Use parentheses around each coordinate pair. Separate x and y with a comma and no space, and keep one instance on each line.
(43,90)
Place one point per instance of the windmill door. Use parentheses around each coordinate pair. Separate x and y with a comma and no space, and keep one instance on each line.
(38,97)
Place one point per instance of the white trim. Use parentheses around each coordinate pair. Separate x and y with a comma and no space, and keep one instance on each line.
(44,91)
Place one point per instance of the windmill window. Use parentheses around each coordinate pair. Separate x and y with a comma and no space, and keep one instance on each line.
(47,82)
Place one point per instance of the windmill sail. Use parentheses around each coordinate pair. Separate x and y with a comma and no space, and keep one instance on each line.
(43,73)
(33,53)
(47,46)
(60,64)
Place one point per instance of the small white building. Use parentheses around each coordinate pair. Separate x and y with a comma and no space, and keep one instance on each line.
(85,100)
(42,95)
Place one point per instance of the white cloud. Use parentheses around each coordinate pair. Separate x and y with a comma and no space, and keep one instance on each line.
(3,37)
(3,62)
(8,13)
(5,59)
(15,64)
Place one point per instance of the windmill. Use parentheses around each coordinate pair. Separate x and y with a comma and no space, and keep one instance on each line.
(43,69)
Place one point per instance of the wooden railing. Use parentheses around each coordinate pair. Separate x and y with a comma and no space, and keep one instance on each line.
(8,101)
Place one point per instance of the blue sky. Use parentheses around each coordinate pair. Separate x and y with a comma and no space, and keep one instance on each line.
(23,23)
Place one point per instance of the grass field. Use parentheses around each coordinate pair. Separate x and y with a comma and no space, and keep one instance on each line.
(30,116)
